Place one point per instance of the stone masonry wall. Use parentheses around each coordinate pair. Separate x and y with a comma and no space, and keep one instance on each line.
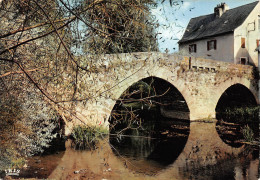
(200,81)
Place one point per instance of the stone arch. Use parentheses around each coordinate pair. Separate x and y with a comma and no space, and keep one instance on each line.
(161,73)
(239,81)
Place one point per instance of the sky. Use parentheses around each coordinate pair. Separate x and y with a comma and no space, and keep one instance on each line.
(174,19)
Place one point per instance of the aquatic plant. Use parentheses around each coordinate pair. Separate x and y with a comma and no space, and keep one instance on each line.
(248,133)
(86,137)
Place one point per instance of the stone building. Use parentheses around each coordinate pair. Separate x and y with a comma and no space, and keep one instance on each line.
(230,35)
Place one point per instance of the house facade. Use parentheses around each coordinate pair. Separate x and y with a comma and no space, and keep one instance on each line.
(229,35)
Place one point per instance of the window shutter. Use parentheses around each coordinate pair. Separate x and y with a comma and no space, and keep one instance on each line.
(215,44)
(257,42)
(243,42)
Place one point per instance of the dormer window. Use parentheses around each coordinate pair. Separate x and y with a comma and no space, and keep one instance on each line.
(192,48)
(212,44)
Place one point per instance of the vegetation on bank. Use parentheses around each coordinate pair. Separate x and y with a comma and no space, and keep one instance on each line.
(86,137)
(246,117)
(25,131)
(247,114)
(39,66)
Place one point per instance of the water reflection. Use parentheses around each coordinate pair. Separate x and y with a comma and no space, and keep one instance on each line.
(205,156)
(230,133)
(41,166)
(163,146)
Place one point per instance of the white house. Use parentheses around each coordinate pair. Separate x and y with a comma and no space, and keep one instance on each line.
(230,35)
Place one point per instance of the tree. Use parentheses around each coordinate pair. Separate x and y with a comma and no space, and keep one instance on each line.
(39,44)
(27,119)
(125,26)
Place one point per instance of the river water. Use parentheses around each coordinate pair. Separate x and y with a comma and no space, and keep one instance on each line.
(180,151)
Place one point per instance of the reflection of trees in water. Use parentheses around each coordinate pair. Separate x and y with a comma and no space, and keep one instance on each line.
(159,139)
(230,133)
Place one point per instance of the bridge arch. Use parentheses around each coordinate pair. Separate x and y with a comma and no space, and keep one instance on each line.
(242,83)
(159,73)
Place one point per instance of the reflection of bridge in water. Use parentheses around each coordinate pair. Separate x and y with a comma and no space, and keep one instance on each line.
(204,148)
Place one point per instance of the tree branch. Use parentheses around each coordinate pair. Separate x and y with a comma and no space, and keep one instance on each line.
(32,27)
(38,37)
(17,72)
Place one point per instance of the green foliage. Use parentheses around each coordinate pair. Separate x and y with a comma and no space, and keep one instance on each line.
(85,137)
(248,133)
(118,26)
(242,114)
(247,117)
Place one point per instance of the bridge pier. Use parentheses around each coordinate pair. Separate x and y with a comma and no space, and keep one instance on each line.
(202,106)
(202,113)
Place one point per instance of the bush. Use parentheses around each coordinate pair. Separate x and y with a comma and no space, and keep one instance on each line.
(85,137)
(27,128)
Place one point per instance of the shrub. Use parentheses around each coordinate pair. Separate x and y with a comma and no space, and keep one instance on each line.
(27,128)
(85,137)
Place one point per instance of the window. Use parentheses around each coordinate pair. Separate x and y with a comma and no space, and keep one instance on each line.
(192,48)
(243,42)
(211,44)
(243,60)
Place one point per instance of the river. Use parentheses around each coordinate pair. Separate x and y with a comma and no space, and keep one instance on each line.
(182,151)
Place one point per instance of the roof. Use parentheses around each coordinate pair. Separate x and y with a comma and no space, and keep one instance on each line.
(209,25)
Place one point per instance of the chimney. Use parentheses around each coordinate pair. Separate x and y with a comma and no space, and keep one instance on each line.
(220,9)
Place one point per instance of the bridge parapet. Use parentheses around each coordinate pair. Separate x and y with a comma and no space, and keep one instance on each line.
(214,66)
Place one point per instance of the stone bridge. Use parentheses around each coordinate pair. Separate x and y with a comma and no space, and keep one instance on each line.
(200,81)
